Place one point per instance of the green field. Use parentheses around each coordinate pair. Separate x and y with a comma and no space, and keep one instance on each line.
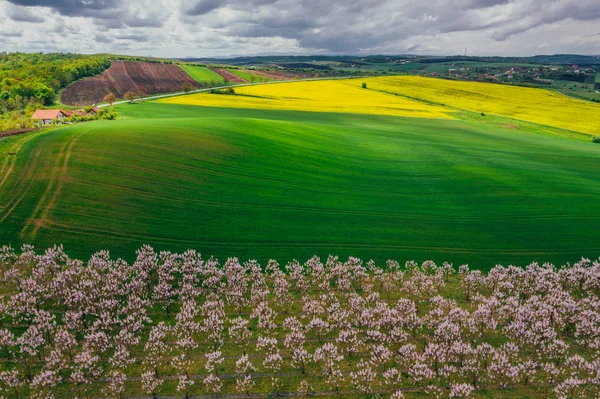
(280,184)
(577,90)
(202,74)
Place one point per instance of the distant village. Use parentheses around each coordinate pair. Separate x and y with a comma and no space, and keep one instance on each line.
(50,117)
(542,75)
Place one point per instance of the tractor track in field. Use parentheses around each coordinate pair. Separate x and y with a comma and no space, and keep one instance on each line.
(289,184)
(29,173)
(253,244)
(18,200)
(11,161)
(220,204)
(53,189)
(267,180)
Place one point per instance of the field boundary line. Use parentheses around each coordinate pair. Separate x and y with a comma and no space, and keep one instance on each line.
(197,243)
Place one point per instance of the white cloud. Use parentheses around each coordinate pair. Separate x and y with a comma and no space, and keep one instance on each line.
(198,28)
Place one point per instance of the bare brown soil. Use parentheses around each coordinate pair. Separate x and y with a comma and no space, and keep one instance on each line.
(15,133)
(123,76)
(225,74)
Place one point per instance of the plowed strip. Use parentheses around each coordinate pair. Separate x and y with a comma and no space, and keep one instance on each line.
(121,77)
(282,75)
(225,74)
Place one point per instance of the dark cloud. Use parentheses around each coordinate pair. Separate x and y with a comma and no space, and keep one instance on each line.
(12,34)
(135,37)
(190,8)
(23,14)
(200,7)
(261,26)
(73,7)
(103,38)
(355,25)
(111,14)
(532,15)
(487,3)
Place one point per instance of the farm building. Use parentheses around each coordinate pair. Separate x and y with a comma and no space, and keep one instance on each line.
(70,114)
(43,117)
(46,117)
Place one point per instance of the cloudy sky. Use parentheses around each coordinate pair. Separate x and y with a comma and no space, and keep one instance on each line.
(204,28)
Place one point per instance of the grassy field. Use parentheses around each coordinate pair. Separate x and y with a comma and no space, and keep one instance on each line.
(289,184)
(584,91)
(202,74)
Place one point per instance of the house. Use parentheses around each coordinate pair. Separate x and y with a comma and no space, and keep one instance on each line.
(47,117)
(92,111)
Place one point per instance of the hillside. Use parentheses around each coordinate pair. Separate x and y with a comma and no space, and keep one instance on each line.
(31,81)
(123,76)
(414,96)
(288,184)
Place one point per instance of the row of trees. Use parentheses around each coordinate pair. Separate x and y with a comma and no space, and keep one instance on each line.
(179,324)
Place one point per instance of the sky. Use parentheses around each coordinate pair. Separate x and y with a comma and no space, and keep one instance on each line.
(225,28)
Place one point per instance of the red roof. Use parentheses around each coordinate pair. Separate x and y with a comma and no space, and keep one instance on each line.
(43,114)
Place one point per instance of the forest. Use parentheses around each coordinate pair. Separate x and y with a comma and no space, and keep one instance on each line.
(30,81)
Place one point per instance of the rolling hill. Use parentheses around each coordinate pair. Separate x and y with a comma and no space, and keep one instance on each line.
(415,96)
(262,183)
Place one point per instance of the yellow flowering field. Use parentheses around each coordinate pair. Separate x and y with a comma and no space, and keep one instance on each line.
(318,96)
(411,96)
(529,104)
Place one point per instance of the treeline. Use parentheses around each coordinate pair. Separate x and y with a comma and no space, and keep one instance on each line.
(29,81)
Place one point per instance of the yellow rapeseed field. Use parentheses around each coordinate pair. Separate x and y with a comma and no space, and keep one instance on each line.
(411,96)
(317,96)
(533,105)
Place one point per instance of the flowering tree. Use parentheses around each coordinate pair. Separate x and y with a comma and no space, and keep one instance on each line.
(245,369)
(96,327)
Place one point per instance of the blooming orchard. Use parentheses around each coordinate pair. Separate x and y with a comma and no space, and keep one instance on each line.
(181,325)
